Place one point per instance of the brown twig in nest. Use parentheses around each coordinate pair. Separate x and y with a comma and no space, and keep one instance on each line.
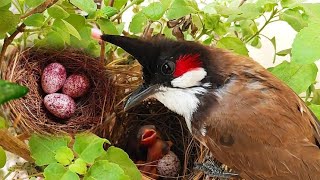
(92,109)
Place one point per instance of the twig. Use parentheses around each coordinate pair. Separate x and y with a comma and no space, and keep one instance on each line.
(102,52)
(123,10)
(147,33)
(8,41)
(265,24)
(13,144)
(111,2)
(242,2)
(39,9)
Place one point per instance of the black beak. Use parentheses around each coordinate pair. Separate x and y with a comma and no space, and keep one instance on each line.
(140,94)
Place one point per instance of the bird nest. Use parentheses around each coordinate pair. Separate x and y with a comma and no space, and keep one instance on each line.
(29,113)
(123,127)
(101,110)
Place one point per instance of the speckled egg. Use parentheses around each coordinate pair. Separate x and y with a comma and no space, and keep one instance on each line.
(169,165)
(76,85)
(60,105)
(53,77)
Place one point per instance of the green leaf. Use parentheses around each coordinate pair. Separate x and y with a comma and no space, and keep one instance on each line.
(89,146)
(273,41)
(64,155)
(43,148)
(117,4)
(35,20)
(291,3)
(9,91)
(315,109)
(57,171)
(284,52)
(250,11)
(57,12)
(234,44)
(71,29)
(316,97)
(313,11)
(255,42)
(120,157)
(34,3)
(8,22)
(210,8)
(298,77)
(76,20)
(248,28)
(108,27)
(153,11)
(88,6)
(4,2)
(166,4)
(60,27)
(108,11)
(294,18)
(226,11)
(3,123)
(180,8)
(211,21)
(105,170)
(3,157)
(53,40)
(138,22)
(79,166)
(306,45)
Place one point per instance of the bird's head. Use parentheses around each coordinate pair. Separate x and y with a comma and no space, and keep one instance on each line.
(173,71)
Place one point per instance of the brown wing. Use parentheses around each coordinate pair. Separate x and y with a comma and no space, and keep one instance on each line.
(261,128)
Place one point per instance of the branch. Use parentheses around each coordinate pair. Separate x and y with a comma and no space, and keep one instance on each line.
(39,9)
(242,2)
(8,41)
(14,145)
(111,2)
(274,12)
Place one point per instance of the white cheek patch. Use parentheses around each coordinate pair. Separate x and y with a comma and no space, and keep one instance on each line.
(189,79)
(182,101)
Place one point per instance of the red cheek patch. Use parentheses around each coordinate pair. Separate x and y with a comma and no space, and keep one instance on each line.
(186,63)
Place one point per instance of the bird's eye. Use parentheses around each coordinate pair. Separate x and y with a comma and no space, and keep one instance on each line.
(168,68)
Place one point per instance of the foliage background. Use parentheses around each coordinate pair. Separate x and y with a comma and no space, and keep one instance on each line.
(250,28)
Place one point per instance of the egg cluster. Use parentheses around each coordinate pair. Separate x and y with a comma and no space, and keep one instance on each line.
(53,79)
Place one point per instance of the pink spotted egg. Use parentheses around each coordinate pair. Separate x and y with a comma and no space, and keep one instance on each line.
(60,105)
(76,85)
(53,77)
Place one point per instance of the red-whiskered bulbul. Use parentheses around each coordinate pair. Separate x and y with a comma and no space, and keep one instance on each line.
(250,120)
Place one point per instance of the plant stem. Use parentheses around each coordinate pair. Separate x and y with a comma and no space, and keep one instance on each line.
(8,41)
(39,9)
(13,144)
(123,10)
(264,25)
(7,175)
(274,48)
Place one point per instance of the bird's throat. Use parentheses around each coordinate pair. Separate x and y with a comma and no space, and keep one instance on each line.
(182,101)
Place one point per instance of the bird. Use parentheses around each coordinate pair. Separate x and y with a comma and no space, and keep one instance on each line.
(159,160)
(249,119)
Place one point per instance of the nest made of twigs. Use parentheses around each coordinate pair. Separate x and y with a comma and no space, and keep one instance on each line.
(29,113)
(172,126)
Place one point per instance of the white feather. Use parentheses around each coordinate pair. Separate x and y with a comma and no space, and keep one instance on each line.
(190,78)
(181,101)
